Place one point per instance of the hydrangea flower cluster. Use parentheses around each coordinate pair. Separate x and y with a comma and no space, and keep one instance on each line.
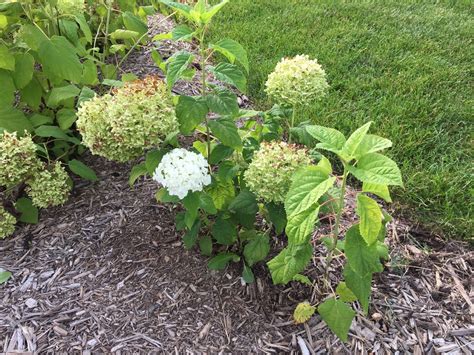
(7,223)
(297,81)
(181,171)
(17,158)
(134,118)
(49,187)
(71,7)
(270,172)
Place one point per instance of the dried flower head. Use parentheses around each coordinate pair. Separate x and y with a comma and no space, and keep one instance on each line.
(7,223)
(181,171)
(297,81)
(270,172)
(49,187)
(135,117)
(17,158)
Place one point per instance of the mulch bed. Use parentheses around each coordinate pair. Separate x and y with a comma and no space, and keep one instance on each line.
(107,272)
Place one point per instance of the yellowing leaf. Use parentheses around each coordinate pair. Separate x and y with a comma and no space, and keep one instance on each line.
(303,312)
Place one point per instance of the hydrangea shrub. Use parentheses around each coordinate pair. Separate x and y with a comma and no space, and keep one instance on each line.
(252,172)
(122,125)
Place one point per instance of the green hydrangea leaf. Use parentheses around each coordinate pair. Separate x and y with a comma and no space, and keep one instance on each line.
(176,66)
(230,74)
(81,20)
(222,192)
(59,59)
(190,112)
(137,171)
(24,68)
(191,202)
(29,213)
(345,294)
(219,153)
(60,94)
(7,59)
(134,23)
(223,102)
(377,189)
(7,89)
(245,202)
(182,9)
(331,137)
(224,231)
(208,15)
(205,245)
(247,274)
(338,316)
(226,131)
(221,260)
(182,33)
(257,249)
(289,262)
(362,258)
(233,51)
(277,214)
(377,169)
(307,187)
(370,216)
(65,117)
(153,159)
(207,204)
(190,237)
(354,140)
(32,93)
(300,225)
(360,285)
(302,279)
(14,120)
(82,170)
(4,276)
(55,132)
(371,144)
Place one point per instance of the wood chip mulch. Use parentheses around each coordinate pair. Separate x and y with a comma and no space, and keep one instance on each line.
(107,273)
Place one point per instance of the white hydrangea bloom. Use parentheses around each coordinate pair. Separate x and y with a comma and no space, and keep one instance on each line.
(181,171)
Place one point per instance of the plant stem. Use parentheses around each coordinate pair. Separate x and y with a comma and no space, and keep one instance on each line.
(204,88)
(106,37)
(292,124)
(340,209)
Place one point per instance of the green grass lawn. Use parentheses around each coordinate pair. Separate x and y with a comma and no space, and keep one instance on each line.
(407,66)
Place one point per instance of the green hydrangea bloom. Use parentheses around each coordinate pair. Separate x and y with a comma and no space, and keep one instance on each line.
(17,158)
(49,187)
(270,172)
(7,223)
(135,117)
(297,81)
(71,7)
